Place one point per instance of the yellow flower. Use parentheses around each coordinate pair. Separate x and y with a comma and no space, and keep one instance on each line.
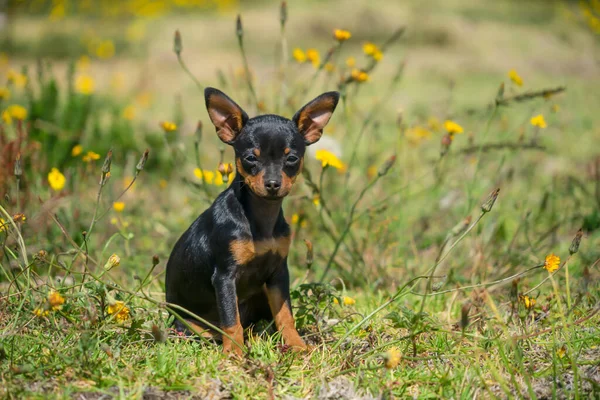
(3,225)
(415,134)
(129,113)
(528,302)
(295,219)
(118,206)
(55,300)
(434,124)
(41,312)
(350,62)
(120,310)
(372,171)
(452,127)
(348,301)
(144,99)
(359,75)
(206,176)
(341,35)
(299,55)
(224,169)
(17,112)
(562,352)
(168,126)
(392,358)
(377,55)
(316,200)
(329,67)
(83,64)
(56,180)
(85,84)
(335,300)
(106,49)
(552,262)
(162,183)
(369,48)
(539,121)
(515,77)
(6,117)
(20,217)
(16,78)
(76,150)
(113,261)
(328,158)
(314,57)
(4,93)
(91,156)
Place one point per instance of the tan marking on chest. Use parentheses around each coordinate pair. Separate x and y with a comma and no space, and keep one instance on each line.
(245,250)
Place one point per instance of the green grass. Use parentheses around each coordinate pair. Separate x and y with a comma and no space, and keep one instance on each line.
(419,226)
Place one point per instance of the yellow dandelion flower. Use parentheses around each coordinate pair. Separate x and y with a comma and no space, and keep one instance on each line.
(168,126)
(350,62)
(452,127)
(90,156)
(55,300)
(129,113)
(372,171)
(18,79)
(299,55)
(4,93)
(314,57)
(316,200)
(359,75)
(105,49)
(56,180)
(341,35)
(16,111)
(162,183)
(562,352)
(76,150)
(539,121)
(119,206)
(41,312)
(418,133)
(377,55)
(3,225)
(6,118)
(336,301)
(329,67)
(85,84)
(515,77)
(392,358)
(328,158)
(120,310)
(295,219)
(83,63)
(348,301)
(369,48)
(528,302)
(206,176)
(552,262)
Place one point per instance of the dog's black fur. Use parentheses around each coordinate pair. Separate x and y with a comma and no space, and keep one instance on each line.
(230,266)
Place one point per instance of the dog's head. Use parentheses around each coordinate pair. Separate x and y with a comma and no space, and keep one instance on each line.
(269,149)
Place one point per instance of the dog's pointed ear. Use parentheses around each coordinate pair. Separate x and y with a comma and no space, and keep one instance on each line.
(225,114)
(312,118)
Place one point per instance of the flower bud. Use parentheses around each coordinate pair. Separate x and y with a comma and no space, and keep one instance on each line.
(106,168)
(177,44)
(574,248)
(446,142)
(140,166)
(464,316)
(489,203)
(309,253)
(113,261)
(199,131)
(18,170)
(387,165)
(155,260)
(239,30)
(283,15)
(500,94)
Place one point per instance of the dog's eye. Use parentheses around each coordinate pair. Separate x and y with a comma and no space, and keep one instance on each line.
(251,159)
(292,159)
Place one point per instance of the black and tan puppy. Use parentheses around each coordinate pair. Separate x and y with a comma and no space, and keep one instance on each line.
(230,266)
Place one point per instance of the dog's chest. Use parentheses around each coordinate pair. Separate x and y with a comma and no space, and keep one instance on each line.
(257,260)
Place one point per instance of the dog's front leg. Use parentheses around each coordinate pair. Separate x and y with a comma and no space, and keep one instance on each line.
(229,315)
(278,294)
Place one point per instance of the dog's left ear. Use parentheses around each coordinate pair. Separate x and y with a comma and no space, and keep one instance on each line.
(312,118)
(225,114)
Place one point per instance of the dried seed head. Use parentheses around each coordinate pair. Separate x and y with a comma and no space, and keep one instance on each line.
(489,203)
(140,165)
(574,248)
(177,43)
(239,30)
(283,14)
(387,165)
(309,253)
(18,170)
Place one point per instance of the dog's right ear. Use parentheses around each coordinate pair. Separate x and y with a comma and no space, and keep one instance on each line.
(225,114)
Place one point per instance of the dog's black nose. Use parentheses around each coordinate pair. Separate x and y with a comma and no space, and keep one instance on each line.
(272,186)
